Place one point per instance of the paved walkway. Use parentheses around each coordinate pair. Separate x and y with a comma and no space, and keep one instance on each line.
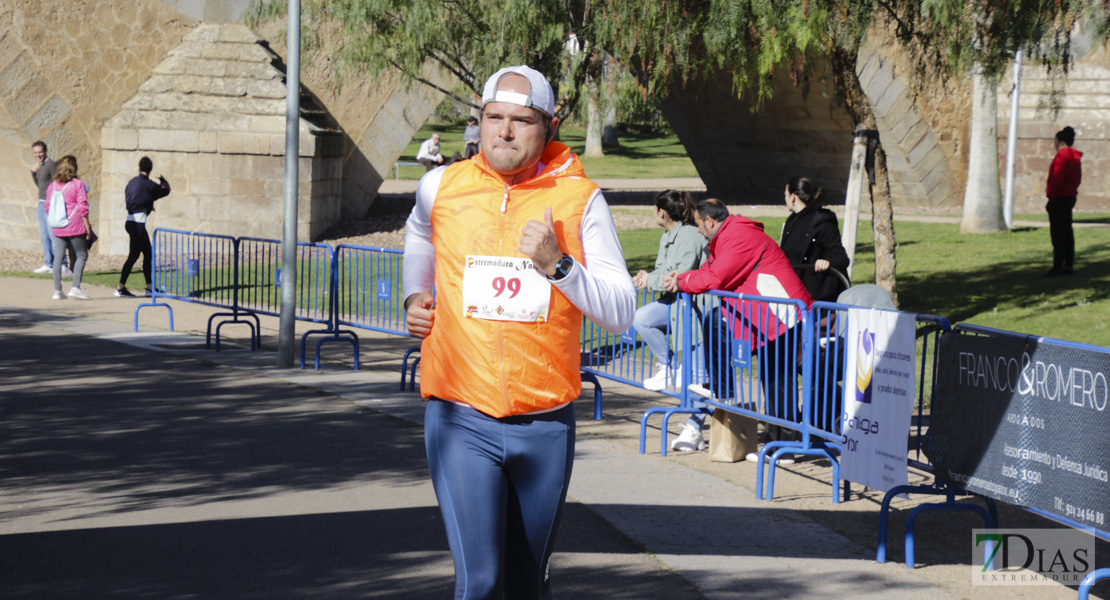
(140,465)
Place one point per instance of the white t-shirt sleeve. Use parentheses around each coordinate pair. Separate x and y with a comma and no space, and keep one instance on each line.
(601,288)
(419,269)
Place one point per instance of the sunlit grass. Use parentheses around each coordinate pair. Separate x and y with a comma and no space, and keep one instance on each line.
(995,280)
(641,153)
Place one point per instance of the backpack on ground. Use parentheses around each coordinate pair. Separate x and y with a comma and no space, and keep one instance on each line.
(56,215)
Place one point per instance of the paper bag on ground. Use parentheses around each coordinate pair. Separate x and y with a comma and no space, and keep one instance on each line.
(732,436)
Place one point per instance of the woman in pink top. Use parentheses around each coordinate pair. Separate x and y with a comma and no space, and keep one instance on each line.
(75,236)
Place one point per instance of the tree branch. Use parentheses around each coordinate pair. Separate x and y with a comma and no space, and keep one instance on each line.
(423,81)
(903,30)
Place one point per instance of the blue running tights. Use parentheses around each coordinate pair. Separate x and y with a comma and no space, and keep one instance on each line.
(501,485)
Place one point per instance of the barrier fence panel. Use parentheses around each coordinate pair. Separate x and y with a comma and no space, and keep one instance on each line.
(260,279)
(195,267)
(1023,420)
(370,288)
(621,357)
(627,357)
(260,286)
(834,378)
(370,295)
(753,348)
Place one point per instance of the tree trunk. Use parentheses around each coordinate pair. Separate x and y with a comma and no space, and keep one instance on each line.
(593,120)
(983,196)
(609,137)
(882,211)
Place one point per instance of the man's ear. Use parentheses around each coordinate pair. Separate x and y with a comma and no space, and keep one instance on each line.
(552,128)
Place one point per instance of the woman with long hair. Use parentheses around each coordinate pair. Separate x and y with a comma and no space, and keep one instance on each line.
(77,235)
(811,240)
(681,248)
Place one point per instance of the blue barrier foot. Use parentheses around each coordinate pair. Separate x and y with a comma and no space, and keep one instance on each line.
(1089,581)
(949,506)
(590,377)
(405,365)
(412,374)
(884,512)
(166,306)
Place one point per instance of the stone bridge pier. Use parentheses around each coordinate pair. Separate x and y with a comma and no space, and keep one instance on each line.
(184,82)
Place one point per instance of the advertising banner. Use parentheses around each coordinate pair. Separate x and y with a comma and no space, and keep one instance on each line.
(878,397)
(1024,421)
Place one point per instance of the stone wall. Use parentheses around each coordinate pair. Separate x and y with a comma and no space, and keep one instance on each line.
(379,116)
(212,118)
(747,157)
(1086,108)
(65,69)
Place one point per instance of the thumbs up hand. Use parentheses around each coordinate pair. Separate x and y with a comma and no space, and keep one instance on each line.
(538,242)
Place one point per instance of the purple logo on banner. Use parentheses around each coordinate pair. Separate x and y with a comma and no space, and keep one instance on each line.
(865,366)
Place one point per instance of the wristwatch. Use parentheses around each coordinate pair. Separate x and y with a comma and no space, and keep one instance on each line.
(562,268)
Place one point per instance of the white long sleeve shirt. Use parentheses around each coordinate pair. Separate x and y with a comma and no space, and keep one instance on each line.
(601,288)
(430,150)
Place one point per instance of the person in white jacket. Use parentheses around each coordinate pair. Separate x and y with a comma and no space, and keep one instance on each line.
(429,155)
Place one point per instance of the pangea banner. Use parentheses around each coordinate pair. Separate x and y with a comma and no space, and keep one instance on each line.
(1024,421)
(878,397)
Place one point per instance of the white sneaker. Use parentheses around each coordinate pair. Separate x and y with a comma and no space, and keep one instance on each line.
(78,294)
(659,381)
(66,273)
(700,390)
(690,439)
(43,269)
(787,459)
(58,296)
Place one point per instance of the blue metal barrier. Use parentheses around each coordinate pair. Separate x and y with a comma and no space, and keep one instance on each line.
(369,295)
(200,268)
(260,286)
(991,516)
(754,346)
(624,357)
(930,328)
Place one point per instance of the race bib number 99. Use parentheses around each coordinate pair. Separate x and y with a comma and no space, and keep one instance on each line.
(500,288)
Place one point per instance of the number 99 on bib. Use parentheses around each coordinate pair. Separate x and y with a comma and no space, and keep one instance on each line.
(502,288)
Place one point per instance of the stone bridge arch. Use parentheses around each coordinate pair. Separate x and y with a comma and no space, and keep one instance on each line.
(747,157)
(66,71)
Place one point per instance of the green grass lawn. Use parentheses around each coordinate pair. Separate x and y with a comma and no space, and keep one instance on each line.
(641,154)
(995,280)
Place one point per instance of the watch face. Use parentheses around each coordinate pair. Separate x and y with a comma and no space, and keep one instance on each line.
(566,264)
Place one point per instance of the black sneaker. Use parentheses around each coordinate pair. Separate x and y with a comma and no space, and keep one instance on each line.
(123,292)
(146,293)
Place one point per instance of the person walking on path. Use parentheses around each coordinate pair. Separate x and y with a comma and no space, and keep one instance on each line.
(681,248)
(811,240)
(518,246)
(42,172)
(429,155)
(744,259)
(140,195)
(78,235)
(1064,176)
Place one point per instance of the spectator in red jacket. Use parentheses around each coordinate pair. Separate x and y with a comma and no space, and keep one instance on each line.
(1064,176)
(744,259)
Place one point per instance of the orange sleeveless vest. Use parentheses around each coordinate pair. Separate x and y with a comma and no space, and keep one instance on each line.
(503,368)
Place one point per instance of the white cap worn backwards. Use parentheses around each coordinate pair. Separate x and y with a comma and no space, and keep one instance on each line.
(539,96)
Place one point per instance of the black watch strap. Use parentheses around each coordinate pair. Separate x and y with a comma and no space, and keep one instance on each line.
(563,267)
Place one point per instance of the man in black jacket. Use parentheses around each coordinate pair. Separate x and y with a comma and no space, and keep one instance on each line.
(140,195)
